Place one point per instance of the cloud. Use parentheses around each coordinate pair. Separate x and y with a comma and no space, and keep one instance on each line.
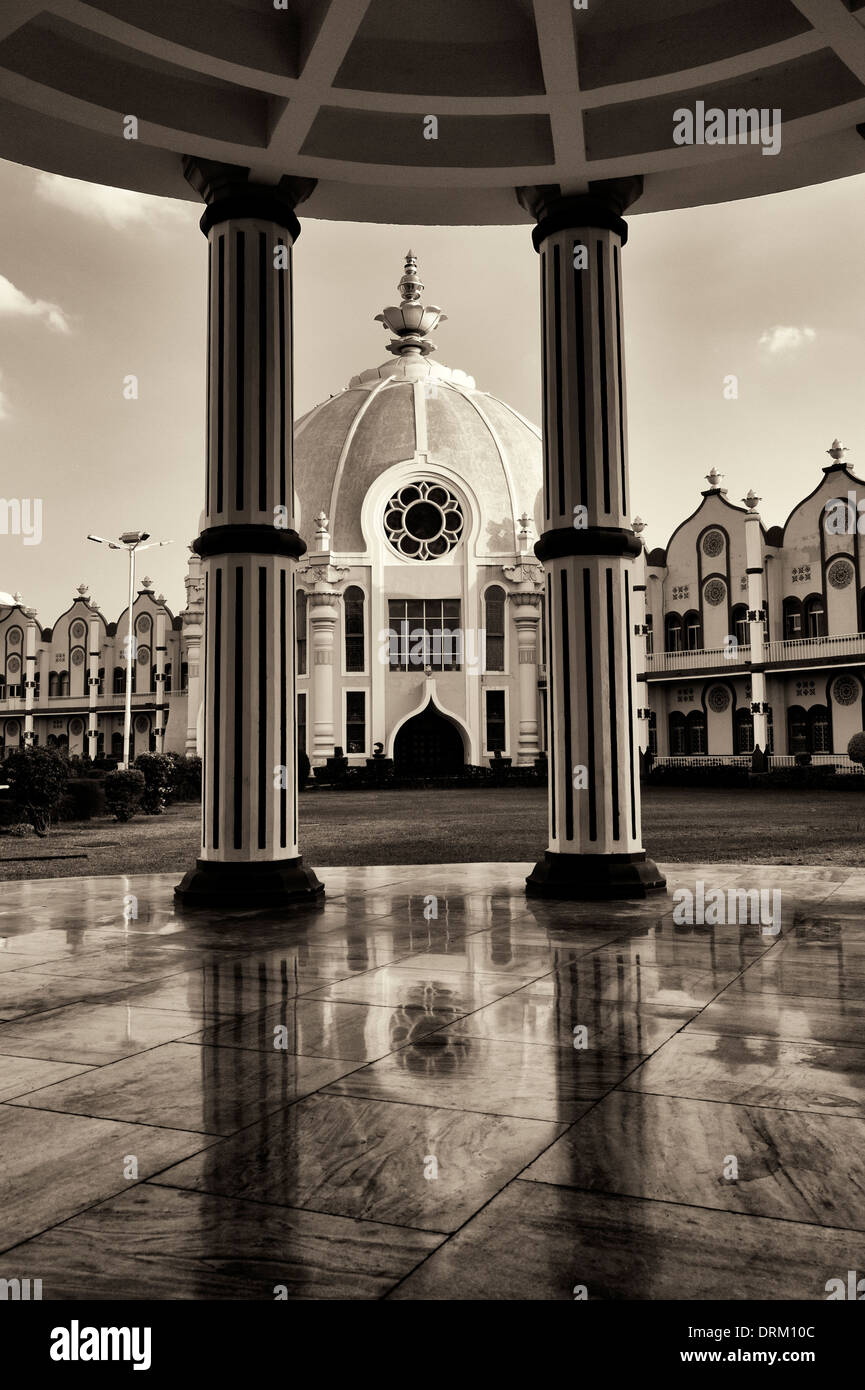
(117,207)
(784,337)
(15,303)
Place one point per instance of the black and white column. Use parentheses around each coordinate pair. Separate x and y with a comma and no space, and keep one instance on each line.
(249,855)
(587,547)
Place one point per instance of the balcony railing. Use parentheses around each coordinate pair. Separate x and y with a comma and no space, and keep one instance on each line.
(696,659)
(808,648)
(839,761)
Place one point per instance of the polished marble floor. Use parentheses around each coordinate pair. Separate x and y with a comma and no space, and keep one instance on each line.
(430,1087)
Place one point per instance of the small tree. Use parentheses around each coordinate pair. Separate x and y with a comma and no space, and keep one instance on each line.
(123,792)
(159,773)
(37,777)
(856,749)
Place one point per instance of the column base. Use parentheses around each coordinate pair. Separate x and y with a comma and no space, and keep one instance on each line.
(279,883)
(591,877)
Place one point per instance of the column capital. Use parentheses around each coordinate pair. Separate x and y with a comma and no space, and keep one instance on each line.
(228,192)
(601,206)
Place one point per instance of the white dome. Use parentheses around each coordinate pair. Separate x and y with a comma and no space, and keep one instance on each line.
(415,409)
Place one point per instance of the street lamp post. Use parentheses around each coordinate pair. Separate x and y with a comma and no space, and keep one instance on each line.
(131,542)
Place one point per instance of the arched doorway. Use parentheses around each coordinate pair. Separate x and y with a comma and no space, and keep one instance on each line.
(428,745)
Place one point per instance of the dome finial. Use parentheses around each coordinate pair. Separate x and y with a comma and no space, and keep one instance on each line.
(410,321)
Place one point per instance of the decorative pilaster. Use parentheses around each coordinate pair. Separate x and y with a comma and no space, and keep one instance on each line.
(248,548)
(161,710)
(638,642)
(29,676)
(587,548)
(323,614)
(756,632)
(192,625)
(526,608)
(93,654)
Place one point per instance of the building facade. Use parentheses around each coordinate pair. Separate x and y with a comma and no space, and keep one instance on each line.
(419,600)
(65,686)
(754,638)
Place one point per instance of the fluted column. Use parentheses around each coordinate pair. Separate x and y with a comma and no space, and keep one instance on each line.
(323,618)
(638,641)
(93,654)
(161,710)
(248,548)
(756,633)
(527,616)
(587,547)
(29,677)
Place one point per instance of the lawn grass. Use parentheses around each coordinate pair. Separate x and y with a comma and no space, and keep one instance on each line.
(434,827)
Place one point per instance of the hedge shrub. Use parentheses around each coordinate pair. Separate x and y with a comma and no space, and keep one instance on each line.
(124,790)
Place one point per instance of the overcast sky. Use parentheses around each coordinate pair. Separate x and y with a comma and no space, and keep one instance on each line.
(97,283)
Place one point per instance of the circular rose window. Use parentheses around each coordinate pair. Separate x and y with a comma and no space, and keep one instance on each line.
(840,574)
(15,637)
(713,543)
(143,623)
(423,520)
(13,665)
(846,690)
(78,656)
(718,699)
(77,631)
(715,592)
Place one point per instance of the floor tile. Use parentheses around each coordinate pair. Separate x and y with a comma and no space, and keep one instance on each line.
(544,1243)
(25,992)
(408,1164)
(18,1075)
(162,1243)
(94,1033)
(752,1014)
(432,989)
(327,1028)
(791,1165)
(757,1071)
(499,1078)
(178,1086)
(529,1017)
(55,1165)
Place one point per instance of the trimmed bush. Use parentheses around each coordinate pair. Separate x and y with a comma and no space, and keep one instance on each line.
(84,799)
(37,777)
(124,790)
(187,777)
(158,772)
(302,769)
(856,749)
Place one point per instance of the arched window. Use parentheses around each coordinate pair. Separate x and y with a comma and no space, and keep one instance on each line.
(696,733)
(743,730)
(653,733)
(650,636)
(63,683)
(770,731)
(815,616)
(167,682)
(53,683)
(692,625)
(673,632)
(120,681)
(819,729)
(101,687)
(739,623)
(792,619)
(678,743)
(300,605)
(352,601)
(184,675)
(494,623)
(797,730)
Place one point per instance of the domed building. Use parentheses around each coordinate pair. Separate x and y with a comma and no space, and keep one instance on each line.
(419,599)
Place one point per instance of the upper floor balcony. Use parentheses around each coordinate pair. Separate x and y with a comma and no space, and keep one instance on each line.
(790,653)
(57,704)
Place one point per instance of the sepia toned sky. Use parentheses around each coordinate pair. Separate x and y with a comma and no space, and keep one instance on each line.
(97,283)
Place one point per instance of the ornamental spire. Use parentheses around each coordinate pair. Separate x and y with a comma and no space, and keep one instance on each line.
(410,321)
